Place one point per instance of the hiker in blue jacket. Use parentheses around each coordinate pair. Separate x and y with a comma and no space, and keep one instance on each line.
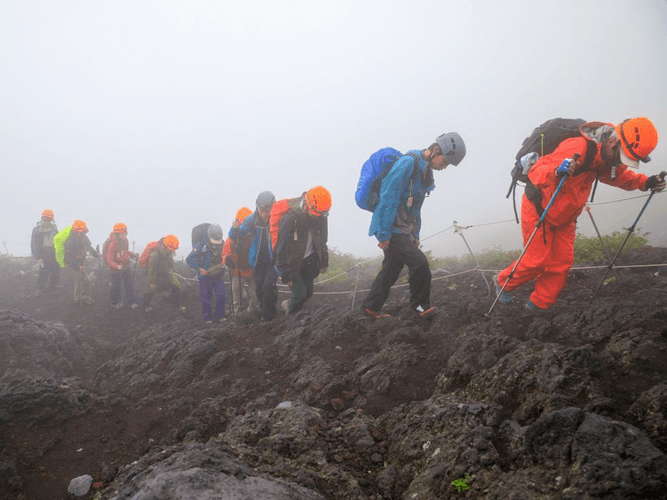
(206,259)
(396,223)
(260,254)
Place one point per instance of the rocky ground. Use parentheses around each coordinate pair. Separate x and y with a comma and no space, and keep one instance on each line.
(567,404)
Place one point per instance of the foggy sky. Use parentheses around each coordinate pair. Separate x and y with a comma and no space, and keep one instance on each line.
(166,114)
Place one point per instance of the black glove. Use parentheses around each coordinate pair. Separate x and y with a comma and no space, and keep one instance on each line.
(655,182)
(229,262)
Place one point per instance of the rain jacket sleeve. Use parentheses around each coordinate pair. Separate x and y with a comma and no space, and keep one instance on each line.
(625,179)
(575,190)
(35,248)
(192,259)
(284,255)
(393,192)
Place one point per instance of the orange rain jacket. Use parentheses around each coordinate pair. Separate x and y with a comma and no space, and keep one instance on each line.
(550,256)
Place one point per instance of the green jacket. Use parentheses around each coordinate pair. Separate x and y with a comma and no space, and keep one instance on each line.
(160,271)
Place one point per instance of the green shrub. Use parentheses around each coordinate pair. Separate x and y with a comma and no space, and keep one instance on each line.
(589,250)
(489,258)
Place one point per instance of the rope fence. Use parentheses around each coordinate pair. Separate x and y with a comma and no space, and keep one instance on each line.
(458,229)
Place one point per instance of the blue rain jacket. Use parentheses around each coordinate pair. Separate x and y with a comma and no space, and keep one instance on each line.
(261,243)
(394,192)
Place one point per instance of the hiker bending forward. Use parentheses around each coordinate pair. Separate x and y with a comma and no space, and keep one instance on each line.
(299,228)
(260,253)
(77,247)
(602,151)
(206,259)
(160,275)
(396,223)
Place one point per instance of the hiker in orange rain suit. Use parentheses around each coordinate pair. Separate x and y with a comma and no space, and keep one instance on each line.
(602,154)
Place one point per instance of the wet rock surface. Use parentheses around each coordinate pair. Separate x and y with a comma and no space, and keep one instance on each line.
(329,404)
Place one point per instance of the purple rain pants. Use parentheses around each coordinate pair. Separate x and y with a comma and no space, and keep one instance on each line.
(207,286)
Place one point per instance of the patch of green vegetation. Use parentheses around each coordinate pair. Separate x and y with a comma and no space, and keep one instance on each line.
(590,251)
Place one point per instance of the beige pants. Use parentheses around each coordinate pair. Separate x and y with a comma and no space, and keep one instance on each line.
(237,291)
(82,286)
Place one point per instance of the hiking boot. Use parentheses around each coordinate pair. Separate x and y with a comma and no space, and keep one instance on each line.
(375,314)
(503,297)
(134,305)
(285,306)
(88,302)
(116,306)
(148,309)
(427,313)
(530,306)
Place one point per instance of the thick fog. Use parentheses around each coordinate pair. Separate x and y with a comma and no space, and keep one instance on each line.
(166,114)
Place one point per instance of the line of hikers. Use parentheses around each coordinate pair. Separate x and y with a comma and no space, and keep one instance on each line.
(559,162)
(284,239)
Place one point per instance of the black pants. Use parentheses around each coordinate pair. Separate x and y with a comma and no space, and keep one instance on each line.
(401,252)
(266,279)
(302,287)
(50,270)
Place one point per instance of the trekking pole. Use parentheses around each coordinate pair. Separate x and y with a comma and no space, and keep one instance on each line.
(459,229)
(627,237)
(231,291)
(356,282)
(134,267)
(523,252)
(604,247)
(240,292)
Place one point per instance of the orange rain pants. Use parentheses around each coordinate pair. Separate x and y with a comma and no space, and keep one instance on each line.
(547,263)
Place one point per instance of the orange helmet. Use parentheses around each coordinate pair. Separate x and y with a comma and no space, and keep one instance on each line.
(119,227)
(48,214)
(638,138)
(171,242)
(243,213)
(318,200)
(79,226)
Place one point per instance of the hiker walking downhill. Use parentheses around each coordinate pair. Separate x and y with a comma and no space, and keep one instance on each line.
(206,259)
(396,223)
(235,257)
(600,151)
(260,254)
(42,249)
(117,256)
(76,249)
(299,228)
(160,275)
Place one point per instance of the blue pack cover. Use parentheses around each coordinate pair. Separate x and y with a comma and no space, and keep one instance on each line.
(372,173)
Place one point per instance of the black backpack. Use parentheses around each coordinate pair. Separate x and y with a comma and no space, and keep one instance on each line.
(199,233)
(543,141)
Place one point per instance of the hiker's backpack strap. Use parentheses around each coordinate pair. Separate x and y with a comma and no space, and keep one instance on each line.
(415,173)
